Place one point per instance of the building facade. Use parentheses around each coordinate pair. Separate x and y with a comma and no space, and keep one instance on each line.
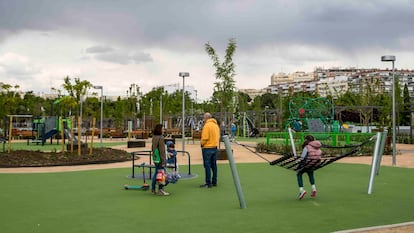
(336,81)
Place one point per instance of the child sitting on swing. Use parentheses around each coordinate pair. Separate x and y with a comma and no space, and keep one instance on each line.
(172,176)
(311,154)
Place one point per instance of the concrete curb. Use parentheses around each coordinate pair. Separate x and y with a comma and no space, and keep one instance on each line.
(376,228)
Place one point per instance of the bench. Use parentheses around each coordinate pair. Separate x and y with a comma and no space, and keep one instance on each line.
(136,143)
(196,135)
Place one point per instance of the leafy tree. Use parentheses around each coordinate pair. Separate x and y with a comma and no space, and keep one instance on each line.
(243,101)
(268,101)
(383,100)
(210,106)
(362,101)
(224,87)
(257,103)
(10,100)
(399,105)
(405,114)
(76,90)
(33,104)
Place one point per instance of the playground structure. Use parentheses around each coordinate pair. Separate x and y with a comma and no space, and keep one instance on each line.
(38,130)
(312,115)
(315,116)
(246,124)
(48,127)
(192,125)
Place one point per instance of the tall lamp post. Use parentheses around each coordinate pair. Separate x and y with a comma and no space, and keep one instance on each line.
(161,110)
(391,58)
(101,88)
(183,74)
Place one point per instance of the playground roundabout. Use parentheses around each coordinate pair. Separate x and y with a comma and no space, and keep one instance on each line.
(119,157)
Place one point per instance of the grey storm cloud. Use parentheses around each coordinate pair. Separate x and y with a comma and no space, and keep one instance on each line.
(109,54)
(123,58)
(344,26)
(99,49)
(190,23)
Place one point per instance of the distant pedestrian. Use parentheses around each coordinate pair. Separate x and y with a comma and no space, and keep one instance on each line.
(210,139)
(223,128)
(233,131)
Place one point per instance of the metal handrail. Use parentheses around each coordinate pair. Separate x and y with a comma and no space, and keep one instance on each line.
(149,153)
(189,159)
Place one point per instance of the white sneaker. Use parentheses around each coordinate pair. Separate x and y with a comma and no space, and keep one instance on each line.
(302,194)
(163,193)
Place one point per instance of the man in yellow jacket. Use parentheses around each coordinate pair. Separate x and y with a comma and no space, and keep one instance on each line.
(210,139)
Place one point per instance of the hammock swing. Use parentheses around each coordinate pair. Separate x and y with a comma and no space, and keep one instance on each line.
(296,163)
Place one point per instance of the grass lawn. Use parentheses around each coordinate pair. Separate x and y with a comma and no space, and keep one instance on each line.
(95,201)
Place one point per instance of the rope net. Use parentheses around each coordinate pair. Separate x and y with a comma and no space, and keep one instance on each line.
(296,163)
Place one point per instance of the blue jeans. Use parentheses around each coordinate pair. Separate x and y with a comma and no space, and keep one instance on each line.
(154,178)
(233,133)
(210,165)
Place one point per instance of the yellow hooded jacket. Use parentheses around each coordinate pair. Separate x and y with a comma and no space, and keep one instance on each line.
(210,135)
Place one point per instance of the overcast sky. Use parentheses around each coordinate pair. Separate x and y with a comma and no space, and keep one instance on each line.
(117,43)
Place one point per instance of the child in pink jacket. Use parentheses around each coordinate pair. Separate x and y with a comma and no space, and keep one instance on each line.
(311,154)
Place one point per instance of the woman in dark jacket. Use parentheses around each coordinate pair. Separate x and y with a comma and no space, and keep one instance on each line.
(158,142)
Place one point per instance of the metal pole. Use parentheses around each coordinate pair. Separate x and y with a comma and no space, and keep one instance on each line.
(292,141)
(183,74)
(100,141)
(391,58)
(393,118)
(182,120)
(374,163)
(10,133)
(381,151)
(234,172)
(161,110)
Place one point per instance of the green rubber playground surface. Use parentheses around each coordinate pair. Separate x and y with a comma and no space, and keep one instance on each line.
(95,201)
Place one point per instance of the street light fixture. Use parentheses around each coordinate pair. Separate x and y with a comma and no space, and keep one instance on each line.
(183,74)
(391,58)
(101,88)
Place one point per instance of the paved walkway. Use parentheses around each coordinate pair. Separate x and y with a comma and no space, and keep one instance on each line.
(405,158)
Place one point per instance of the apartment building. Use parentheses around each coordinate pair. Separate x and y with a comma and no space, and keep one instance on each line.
(336,81)
(253,92)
